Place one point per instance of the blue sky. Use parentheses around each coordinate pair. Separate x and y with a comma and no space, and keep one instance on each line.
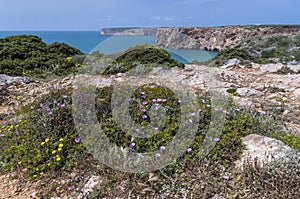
(96,14)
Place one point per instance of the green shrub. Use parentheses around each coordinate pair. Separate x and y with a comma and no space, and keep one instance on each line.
(29,55)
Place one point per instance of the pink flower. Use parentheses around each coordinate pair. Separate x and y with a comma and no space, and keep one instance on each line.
(189,150)
(216,139)
(157,155)
(132,144)
(77,140)
(162,148)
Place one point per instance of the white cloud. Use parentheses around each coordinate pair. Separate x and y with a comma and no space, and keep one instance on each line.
(156,18)
(169,19)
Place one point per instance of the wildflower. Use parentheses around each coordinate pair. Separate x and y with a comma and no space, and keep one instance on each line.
(137,130)
(59,149)
(31,108)
(130,99)
(3,104)
(50,113)
(159,100)
(71,187)
(19,98)
(142,93)
(69,59)
(60,145)
(237,110)
(207,106)
(20,162)
(156,129)
(190,121)
(47,140)
(62,106)
(216,139)
(13,119)
(144,110)
(164,100)
(162,148)
(59,87)
(154,100)
(48,109)
(226,177)
(132,144)
(34,176)
(58,158)
(157,155)
(61,139)
(193,114)
(41,173)
(145,103)
(42,105)
(179,101)
(54,151)
(203,101)
(200,111)
(49,164)
(42,143)
(144,96)
(17,133)
(64,96)
(54,102)
(77,140)
(189,150)
(144,116)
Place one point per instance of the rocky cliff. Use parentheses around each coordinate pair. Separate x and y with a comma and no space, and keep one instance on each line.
(214,38)
(129,31)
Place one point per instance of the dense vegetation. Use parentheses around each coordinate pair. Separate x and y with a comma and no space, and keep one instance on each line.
(29,56)
(41,137)
(283,48)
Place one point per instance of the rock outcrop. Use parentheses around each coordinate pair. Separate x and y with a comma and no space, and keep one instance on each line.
(214,38)
(129,31)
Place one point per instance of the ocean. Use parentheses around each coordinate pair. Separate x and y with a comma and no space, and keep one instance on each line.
(88,41)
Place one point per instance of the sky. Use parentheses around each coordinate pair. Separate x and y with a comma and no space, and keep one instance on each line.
(96,14)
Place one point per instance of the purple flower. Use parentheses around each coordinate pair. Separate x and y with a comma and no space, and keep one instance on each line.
(137,130)
(199,110)
(17,132)
(77,140)
(131,144)
(193,114)
(130,99)
(62,106)
(58,104)
(162,148)
(42,105)
(13,119)
(54,102)
(189,150)
(71,188)
(142,93)
(226,177)
(50,113)
(144,96)
(144,116)
(154,100)
(156,129)
(164,100)
(270,128)
(145,103)
(237,110)
(216,139)
(203,101)
(179,101)
(143,132)
(159,100)
(64,96)
(157,155)
(48,109)
(190,121)
(144,110)
(59,87)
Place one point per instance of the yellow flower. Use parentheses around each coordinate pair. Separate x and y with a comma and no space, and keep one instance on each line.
(58,159)
(41,173)
(20,162)
(42,143)
(47,139)
(19,98)
(54,151)
(34,176)
(69,59)
(36,169)
(19,121)
(61,139)
(49,164)
(3,104)
(59,149)
(60,145)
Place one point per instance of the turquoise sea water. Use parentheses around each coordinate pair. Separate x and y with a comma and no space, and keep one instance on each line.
(88,41)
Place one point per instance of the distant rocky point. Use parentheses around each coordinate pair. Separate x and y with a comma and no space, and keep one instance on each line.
(129,31)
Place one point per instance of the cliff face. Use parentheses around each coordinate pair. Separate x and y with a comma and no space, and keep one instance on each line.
(129,31)
(214,38)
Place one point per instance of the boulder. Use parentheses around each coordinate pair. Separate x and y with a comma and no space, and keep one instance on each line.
(261,150)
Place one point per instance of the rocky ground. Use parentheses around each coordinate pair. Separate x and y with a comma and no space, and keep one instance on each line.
(272,89)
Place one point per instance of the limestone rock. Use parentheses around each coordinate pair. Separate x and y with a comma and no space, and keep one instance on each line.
(261,150)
